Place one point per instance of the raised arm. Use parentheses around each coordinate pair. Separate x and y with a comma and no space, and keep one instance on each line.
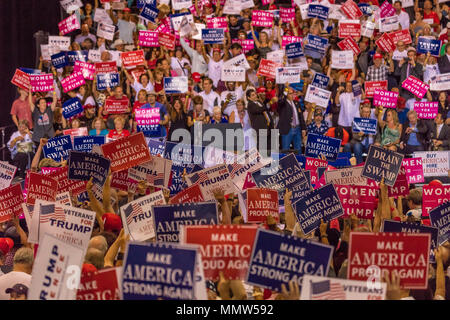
(54,102)
(258,44)
(107,195)
(37,155)
(30,101)
(95,204)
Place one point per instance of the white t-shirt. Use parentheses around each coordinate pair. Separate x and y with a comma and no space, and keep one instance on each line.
(208,100)
(178,65)
(397,55)
(237,94)
(349,108)
(137,86)
(10,279)
(215,71)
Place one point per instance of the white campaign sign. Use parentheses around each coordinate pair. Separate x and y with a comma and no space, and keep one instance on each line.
(342,59)
(290,75)
(233,73)
(318,96)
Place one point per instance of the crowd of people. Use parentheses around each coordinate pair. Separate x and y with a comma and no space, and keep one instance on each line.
(259,102)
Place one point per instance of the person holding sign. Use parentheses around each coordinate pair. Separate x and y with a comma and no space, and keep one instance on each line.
(349,106)
(408,67)
(360,141)
(264,44)
(42,117)
(390,129)
(378,71)
(21,147)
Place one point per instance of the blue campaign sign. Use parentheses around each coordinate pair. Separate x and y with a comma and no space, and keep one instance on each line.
(60,60)
(366,125)
(169,218)
(141,3)
(382,163)
(301,159)
(365,8)
(429,45)
(340,162)
(144,261)
(71,108)
(286,174)
(294,50)
(322,203)
(356,88)
(58,147)
(278,259)
(156,147)
(175,85)
(30,71)
(84,166)
(440,218)
(318,11)
(297,86)
(315,45)
(73,56)
(85,143)
(149,12)
(320,80)
(105,80)
(213,35)
(317,145)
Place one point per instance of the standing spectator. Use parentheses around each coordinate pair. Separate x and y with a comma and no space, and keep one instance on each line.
(42,118)
(318,125)
(21,147)
(349,106)
(20,109)
(210,97)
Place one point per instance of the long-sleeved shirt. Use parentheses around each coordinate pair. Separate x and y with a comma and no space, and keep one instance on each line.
(198,62)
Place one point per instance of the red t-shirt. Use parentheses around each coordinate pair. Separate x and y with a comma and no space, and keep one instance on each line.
(432,15)
(137,105)
(21,109)
(113,134)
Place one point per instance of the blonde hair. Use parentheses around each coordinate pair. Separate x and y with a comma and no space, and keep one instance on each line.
(121,119)
(102,126)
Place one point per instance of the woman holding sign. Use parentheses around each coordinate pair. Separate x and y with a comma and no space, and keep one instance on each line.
(390,129)
(42,117)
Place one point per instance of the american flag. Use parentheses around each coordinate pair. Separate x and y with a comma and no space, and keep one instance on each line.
(325,290)
(132,211)
(199,177)
(232,168)
(51,211)
(157,179)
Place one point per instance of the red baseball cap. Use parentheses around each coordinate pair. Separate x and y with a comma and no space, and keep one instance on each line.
(273,7)
(261,90)
(88,268)
(435,183)
(112,222)
(6,244)
(377,56)
(126,10)
(196,77)
(365,101)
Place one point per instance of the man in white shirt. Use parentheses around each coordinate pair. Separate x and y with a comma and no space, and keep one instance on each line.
(126,27)
(210,97)
(400,52)
(349,106)
(403,17)
(230,96)
(21,274)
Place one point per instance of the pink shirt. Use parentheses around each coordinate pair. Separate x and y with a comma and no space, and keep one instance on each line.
(21,109)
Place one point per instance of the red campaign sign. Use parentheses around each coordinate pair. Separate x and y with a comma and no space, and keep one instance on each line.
(167,40)
(69,24)
(401,186)
(349,29)
(360,200)
(117,106)
(21,80)
(65,184)
(73,81)
(385,43)
(261,18)
(217,22)
(41,82)
(127,152)
(105,67)
(248,183)
(41,187)
(224,248)
(349,44)
(188,195)
(120,181)
(11,200)
(400,35)
(414,170)
(433,197)
(87,69)
(370,86)
(267,68)
(137,72)
(386,10)
(99,285)
(351,10)
(261,203)
(148,39)
(133,59)
(406,253)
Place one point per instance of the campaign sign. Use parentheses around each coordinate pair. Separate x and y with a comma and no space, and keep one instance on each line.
(346,176)
(53,270)
(148,121)
(100,285)
(84,166)
(356,88)
(232,73)
(116,106)
(210,36)
(349,44)
(426,45)
(386,10)
(371,86)
(58,147)
(7,172)
(167,40)
(318,11)
(426,110)
(11,199)
(440,218)
(119,180)
(387,99)
(294,50)
(72,108)
(74,56)
(385,43)
(60,60)
(106,67)
(156,147)
(360,200)
(155,172)
(317,95)
(148,38)
(349,28)
(224,248)
(323,288)
(143,261)
(41,82)
(317,145)
(246,44)
(366,125)
(21,80)
(41,187)
(64,184)
(320,81)
(169,218)
(212,179)
(132,59)
(191,194)
(149,12)
(401,35)
(85,68)
(175,85)
(261,18)
(287,14)
(316,43)
(107,80)
(137,217)
(414,170)
(217,22)
(382,163)
(288,174)
(434,196)
(69,24)
(85,143)
(435,163)
(267,68)
(415,86)
(287,74)
(72,82)
(406,253)
(322,203)
(401,187)
(272,248)
(351,10)
(342,59)
(440,82)
(285,40)
(127,152)
(260,204)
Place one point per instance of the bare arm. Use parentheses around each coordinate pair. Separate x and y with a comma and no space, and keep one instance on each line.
(107,195)
(54,102)
(30,101)
(289,211)
(37,156)
(95,204)
(258,44)
(440,275)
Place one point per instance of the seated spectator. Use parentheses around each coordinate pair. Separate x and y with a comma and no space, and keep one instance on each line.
(440,134)
(414,133)
(21,147)
(119,131)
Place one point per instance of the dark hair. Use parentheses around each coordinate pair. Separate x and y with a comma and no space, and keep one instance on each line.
(398,2)
(249,92)
(236,45)
(39,101)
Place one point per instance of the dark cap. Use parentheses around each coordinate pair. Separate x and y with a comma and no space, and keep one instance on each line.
(318,112)
(18,288)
